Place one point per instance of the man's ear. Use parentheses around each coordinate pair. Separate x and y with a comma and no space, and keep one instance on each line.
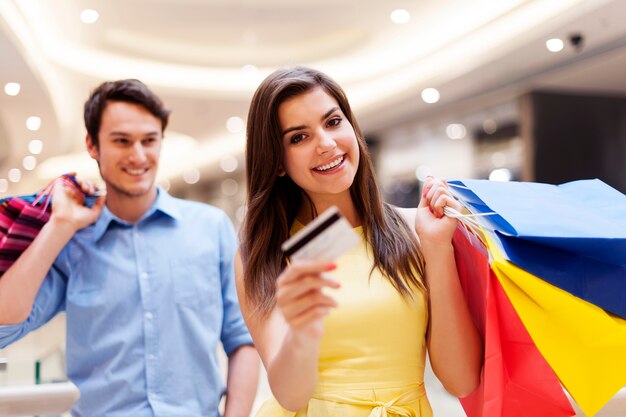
(91,147)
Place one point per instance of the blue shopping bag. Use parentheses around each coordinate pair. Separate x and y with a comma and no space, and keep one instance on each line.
(572,235)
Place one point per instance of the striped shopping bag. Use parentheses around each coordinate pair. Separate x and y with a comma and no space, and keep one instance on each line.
(21,219)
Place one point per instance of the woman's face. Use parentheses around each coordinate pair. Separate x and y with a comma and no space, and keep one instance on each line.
(320,150)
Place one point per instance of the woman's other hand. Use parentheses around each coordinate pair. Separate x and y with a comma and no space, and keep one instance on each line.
(431,225)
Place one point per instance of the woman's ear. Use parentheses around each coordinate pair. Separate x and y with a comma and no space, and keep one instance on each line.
(281,171)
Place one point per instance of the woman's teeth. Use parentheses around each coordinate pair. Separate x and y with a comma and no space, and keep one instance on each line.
(330,164)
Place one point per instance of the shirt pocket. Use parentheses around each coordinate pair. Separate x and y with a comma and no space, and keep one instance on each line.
(195,281)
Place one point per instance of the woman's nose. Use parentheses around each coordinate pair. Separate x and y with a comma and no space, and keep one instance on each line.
(326,141)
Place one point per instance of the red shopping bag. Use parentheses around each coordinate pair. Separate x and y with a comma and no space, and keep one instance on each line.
(516,380)
(21,219)
(20,222)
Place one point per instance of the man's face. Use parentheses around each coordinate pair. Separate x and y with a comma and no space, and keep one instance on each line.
(128,152)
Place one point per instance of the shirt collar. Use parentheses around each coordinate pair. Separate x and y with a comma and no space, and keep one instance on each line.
(164,203)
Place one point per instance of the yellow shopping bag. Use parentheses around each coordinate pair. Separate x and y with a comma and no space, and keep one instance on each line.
(584,345)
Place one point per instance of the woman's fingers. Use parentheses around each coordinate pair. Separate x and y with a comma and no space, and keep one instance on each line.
(298,295)
(299,292)
(310,300)
(309,316)
(301,267)
(437,196)
(295,288)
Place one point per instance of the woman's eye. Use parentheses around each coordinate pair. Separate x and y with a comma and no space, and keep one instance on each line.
(334,121)
(297,138)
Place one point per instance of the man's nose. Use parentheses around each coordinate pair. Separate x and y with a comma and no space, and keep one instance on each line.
(138,153)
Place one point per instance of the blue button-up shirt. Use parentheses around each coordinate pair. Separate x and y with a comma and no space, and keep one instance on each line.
(146,304)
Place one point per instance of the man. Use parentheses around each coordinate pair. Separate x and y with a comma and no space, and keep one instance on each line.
(146,279)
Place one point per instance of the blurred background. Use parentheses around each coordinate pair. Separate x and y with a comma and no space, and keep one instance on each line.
(530,90)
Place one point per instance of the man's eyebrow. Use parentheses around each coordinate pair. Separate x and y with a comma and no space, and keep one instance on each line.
(122,133)
(291,129)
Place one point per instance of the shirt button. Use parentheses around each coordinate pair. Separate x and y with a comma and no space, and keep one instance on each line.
(143,275)
(149,315)
(152,357)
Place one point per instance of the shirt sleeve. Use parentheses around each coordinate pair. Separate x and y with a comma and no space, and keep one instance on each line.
(234,331)
(49,301)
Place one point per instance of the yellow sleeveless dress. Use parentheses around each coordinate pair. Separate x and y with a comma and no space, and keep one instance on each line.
(373,350)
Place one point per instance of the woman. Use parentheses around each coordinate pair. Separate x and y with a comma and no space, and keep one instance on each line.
(349,337)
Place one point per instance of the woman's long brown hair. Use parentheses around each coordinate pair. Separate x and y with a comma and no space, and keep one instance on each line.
(274,201)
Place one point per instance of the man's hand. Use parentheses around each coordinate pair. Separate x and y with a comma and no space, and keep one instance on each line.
(68,208)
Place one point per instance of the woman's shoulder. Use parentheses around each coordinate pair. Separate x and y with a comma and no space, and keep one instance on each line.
(407,214)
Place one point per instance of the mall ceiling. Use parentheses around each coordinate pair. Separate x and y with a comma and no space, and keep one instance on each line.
(205,58)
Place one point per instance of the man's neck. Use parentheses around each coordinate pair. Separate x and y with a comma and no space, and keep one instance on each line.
(130,208)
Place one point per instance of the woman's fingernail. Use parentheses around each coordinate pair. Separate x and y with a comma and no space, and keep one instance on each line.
(331,267)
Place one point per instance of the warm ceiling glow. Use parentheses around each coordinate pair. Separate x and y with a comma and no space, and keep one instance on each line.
(400,16)
(89,16)
(33,123)
(4,185)
(12,89)
(554,45)
(430,95)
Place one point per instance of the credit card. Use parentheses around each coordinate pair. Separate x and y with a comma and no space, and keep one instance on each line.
(327,237)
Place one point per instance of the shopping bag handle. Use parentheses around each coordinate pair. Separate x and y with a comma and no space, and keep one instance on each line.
(45,196)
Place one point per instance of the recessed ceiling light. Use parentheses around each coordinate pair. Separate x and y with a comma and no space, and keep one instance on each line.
(554,45)
(29,162)
(490,126)
(500,174)
(191,176)
(456,131)
(33,123)
(89,16)
(165,184)
(422,172)
(14,175)
(430,95)
(12,89)
(35,146)
(229,163)
(234,124)
(400,16)
(229,187)
(249,70)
